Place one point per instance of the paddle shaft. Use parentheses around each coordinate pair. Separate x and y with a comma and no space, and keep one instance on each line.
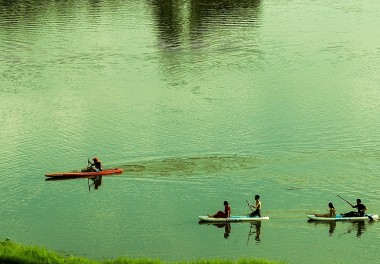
(249,206)
(344,199)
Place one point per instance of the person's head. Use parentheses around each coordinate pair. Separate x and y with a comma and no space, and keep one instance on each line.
(257,197)
(225,203)
(331,205)
(95,159)
(358,201)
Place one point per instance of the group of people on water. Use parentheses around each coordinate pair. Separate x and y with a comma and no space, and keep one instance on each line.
(361,209)
(96,166)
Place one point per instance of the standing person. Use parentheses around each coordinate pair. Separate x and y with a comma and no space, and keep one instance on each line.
(96,164)
(257,212)
(359,206)
(221,214)
(331,212)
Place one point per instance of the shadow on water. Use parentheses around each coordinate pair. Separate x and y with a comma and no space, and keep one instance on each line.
(192,165)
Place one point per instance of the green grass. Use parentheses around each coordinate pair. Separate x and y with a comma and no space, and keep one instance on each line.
(12,253)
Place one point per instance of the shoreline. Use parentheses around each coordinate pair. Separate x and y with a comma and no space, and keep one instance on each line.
(14,253)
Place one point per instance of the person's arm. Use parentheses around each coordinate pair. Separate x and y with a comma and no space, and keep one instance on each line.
(250,205)
(254,206)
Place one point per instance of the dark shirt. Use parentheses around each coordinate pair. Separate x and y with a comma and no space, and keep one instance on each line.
(361,208)
(97,165)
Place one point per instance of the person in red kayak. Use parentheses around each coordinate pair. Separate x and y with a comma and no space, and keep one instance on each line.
(221,214)
(96,165)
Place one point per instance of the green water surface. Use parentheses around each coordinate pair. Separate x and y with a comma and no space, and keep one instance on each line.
(199,101)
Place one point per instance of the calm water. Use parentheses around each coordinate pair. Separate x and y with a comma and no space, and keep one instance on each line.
(199,101)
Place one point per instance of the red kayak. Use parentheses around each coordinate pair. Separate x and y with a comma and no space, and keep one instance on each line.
(78,174)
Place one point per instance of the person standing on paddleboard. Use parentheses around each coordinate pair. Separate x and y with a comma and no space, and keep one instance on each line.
(257,212)
(361,210)
(225,214)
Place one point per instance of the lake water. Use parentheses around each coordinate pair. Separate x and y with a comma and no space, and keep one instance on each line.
(199,101)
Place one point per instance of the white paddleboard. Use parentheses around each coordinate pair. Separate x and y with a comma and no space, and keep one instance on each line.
(341,218)
(236,218)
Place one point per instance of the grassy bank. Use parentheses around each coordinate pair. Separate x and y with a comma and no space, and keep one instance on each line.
(12,253)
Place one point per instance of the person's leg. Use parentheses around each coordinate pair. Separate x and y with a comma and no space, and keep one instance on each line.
(255,213)
(219,214)
(350,214)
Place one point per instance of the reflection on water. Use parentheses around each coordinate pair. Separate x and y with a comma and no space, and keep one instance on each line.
(199,34)
(96,182)
(180,22)
(225,226)
(332,228)
(351,227)
(256,232)
(93,182)
(227,229)
(358,228)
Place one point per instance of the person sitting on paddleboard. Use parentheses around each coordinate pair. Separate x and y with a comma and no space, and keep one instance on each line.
(257,212)
(331,212)
(225,214)
(361,210)
(97,164)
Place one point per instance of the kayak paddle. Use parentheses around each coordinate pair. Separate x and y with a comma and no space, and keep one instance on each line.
(344,199)
(249,206)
